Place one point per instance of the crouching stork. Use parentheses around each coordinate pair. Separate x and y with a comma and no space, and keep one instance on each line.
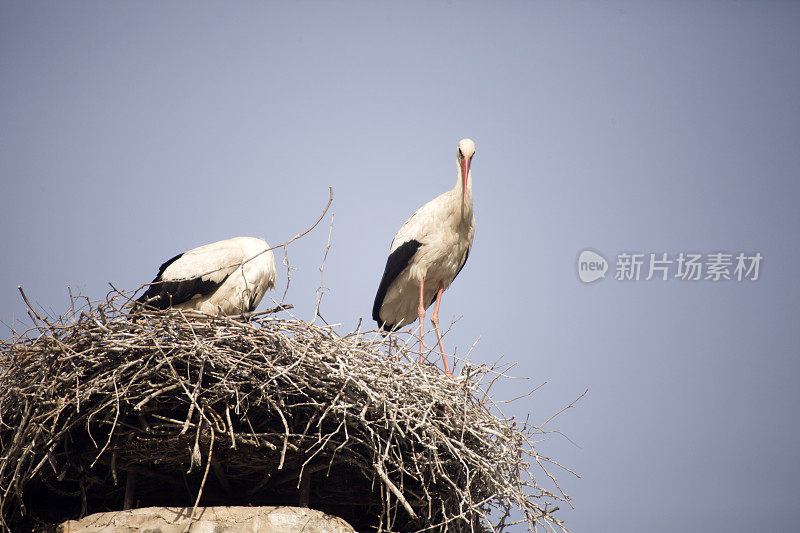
(426,255)
(228,277)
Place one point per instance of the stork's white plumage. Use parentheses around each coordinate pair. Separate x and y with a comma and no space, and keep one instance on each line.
(427,254)
(226,277)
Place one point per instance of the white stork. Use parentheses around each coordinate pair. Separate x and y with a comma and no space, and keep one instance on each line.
(427,254)
(227,277)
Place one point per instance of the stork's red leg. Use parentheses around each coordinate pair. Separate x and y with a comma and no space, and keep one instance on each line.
(421,314)
(435,320)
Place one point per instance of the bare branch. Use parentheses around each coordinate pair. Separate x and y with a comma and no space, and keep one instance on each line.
(321,289)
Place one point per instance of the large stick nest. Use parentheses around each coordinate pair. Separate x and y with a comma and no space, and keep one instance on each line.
(100,410)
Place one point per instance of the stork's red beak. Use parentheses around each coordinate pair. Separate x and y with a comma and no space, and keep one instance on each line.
(464,176)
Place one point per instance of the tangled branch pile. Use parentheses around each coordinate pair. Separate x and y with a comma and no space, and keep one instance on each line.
(102,411)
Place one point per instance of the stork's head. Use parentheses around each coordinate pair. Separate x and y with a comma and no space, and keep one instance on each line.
(466,149)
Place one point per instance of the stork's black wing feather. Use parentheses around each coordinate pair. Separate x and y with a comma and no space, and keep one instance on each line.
(162,294)
(397,261)
(166,264)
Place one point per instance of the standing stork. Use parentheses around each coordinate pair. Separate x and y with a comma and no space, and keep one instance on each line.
(427,254)
(226,277)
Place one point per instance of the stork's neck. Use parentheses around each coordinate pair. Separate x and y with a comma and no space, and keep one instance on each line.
(465,201)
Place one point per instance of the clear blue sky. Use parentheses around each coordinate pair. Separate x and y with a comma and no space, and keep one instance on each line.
(132,131)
